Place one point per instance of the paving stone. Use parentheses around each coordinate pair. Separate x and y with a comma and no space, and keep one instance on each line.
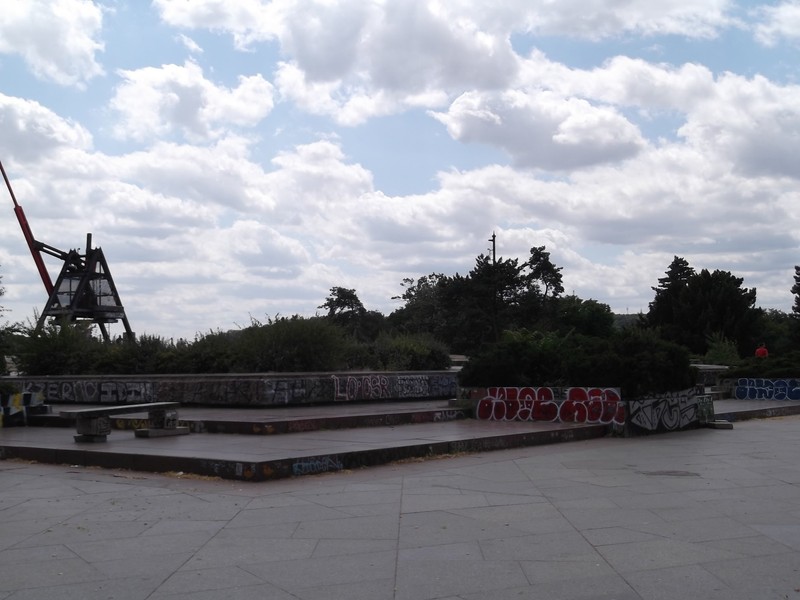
(188,580)
(674,582)
(436,578)
(296,575)
(370,528)
(659,553)
(234,550)
(705,514)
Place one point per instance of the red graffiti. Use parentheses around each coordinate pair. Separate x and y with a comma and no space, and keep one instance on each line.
(581,405)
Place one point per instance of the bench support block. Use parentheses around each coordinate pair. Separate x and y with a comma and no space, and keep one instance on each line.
(94,425)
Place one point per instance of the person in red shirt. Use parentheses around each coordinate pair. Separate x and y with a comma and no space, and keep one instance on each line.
(762,352)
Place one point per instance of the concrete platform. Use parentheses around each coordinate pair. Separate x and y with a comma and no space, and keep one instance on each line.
(319,439)
(706,514)
(257,458)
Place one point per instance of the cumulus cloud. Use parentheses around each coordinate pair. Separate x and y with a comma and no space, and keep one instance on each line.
(354,60)
(615,167)
(154,102)
(31,131)
(623,81)
(248,21)
(778,22)
(752,123)
(58,39)
(542,130)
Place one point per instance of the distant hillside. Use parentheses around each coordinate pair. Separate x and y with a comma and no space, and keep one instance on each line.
(622,321)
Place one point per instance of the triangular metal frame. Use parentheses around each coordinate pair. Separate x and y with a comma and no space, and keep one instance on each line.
(85,290)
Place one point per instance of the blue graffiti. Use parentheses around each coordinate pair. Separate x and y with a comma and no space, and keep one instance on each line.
(768,389)
(322,464)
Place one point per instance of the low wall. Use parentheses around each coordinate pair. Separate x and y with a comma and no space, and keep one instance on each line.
(550,404)
(670,411)
(767,389)
(242,390)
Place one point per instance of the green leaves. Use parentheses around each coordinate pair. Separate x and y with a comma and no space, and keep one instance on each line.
(690,306)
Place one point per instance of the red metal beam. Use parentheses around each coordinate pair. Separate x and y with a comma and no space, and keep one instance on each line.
(33,245)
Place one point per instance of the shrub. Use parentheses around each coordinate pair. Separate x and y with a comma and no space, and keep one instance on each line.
(648,364)
(635,360)
(59,350)
(411,352)
(520,358)
(773,367)
(291,345)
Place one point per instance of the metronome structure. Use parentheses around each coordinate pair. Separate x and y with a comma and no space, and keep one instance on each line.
(84,289)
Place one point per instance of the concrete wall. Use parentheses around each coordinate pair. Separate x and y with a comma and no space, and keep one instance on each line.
(550,404)
(670,411)
(242,390)
(767,389)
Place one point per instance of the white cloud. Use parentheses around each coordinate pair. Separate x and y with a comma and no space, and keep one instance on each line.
(154,102)
(248,21)
(31,131)
(542,130)
(354,60)
(190,44)
(597,19)
(623,81)
(753,123)
(615,168)
(779,21)
(58,39)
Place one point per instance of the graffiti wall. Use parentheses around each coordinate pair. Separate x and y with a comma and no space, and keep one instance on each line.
(594,405)
(244,390)
(670,411)
(555,405)
(767,389)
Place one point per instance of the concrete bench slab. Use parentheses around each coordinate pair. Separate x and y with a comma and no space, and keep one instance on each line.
(94,424)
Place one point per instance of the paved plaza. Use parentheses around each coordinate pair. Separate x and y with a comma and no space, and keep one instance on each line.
(698,514)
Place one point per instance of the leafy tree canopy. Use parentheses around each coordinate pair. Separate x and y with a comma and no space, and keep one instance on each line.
(691,307)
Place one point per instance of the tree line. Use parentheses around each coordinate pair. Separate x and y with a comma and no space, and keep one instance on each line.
(510,317)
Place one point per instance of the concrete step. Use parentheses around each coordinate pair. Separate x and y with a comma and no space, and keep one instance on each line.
(322,438)
(273,421)
(259,458)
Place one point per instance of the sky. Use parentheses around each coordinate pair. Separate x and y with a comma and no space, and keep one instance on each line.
(237,160)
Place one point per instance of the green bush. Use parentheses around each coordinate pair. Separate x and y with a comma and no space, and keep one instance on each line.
(635,360)
(721,351)
(773,367)
(58,350)
(520,358)
(411,352)
(281,345)
(649,364)
(291,345)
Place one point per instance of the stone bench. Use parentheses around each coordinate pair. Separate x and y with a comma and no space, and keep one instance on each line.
(94,424)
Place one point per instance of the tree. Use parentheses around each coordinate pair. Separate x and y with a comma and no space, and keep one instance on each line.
(423,311)
(543,273)
(466,312)
(586,317)
(796,292)
(690,308)
(667,299)
(343,301)
(346,310)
